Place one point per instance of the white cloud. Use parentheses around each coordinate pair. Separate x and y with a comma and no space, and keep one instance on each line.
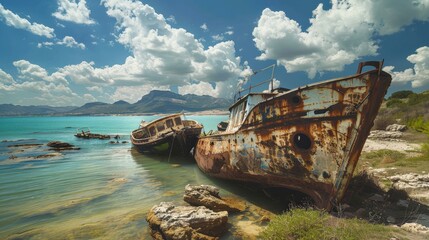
(419,74)
(161,56)
(13,20)
(218,37)
(32,90)
(164,55)
(73,11)
(132,94)
(276,84)
(200,88)
(97,89)
(220,90)
(171,19)
(85,74)
(66,41)
(204,27)
(33,73)
(40,93)
(5,78)
(337,36)
(221,37)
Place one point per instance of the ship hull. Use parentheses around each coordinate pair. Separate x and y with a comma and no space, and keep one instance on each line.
(180,143)
(307,139)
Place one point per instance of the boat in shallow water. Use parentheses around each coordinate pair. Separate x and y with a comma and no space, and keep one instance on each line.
(172,134)
(307,139)
(87,134)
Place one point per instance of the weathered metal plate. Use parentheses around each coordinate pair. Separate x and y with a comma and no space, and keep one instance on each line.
(307,139)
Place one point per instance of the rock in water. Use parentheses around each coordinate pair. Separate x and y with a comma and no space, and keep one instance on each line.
(168,221)
(208,196)
(57,145)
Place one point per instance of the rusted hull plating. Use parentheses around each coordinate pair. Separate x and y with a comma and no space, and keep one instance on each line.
(308,139)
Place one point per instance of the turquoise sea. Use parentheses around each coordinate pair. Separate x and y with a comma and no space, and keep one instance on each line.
(103,190)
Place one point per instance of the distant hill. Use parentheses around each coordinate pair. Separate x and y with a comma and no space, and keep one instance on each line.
(17,110)
(154,102)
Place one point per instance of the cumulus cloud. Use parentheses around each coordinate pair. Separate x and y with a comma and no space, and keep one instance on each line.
(13,20)
(160,56)
(73,11)
(171,19)
(133,93)
(218,37)
(204,27)
(222,36)
(66,41)
(220,90)
(419,74)
(5,78)
(33,88)
(165,55)
(32,73)
(337,36)
(40,93)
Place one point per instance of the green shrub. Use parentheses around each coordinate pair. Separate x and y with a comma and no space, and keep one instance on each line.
(297,224)
(419,124)
(394,103)
(414,99)
(401,94)
(382,121)
(310,224)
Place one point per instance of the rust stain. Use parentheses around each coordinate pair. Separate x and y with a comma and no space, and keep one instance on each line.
(308,139)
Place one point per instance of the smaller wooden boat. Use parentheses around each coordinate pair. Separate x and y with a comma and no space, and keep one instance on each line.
(169,134)
(86,134)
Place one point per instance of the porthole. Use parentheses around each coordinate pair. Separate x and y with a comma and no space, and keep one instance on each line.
(296,99)
(302,141)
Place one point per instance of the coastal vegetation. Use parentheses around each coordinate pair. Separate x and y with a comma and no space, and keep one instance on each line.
(301,223)
(410,109)
(405,107)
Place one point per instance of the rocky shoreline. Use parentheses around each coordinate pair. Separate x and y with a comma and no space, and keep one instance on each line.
(205,218)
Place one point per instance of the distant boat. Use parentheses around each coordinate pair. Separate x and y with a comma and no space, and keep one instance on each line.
(307,139)
(172,134)
(86,134)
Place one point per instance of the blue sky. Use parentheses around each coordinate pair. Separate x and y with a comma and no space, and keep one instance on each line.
(70,52)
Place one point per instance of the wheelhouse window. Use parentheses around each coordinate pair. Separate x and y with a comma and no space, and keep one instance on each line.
(152,131)
(144,133)
(178,121)
(169,123)
(160,126)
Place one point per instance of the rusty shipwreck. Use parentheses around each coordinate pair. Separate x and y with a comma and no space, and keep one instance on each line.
(307,139)
(169,134)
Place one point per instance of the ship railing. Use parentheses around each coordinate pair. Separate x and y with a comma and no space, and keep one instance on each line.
(248,90)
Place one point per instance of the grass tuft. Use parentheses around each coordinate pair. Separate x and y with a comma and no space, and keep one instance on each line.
(308,224)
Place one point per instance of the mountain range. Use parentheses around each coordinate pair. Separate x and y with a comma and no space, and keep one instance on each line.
(156,101)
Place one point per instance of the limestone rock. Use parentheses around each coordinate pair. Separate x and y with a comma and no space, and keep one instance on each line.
(385,134)
(208,196)
(396,128)
(168,221)
(415,227)
(410,181)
